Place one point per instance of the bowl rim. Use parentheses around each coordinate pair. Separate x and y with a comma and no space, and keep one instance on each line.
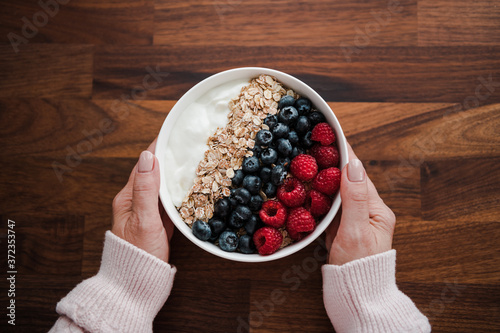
(201,88)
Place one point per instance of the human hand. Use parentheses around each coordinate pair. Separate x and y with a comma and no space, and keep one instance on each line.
(366,224)
(138,216)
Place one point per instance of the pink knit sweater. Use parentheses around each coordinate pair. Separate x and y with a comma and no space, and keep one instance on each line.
(132,285)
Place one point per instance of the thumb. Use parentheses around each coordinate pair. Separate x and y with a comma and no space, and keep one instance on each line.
(145,188)
(354,194)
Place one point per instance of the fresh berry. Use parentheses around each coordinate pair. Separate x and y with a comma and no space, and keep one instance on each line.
(280,131)
(246,244)
(293,137)
(238,178)
(284,147)
(297,151)
(255,202)
(269,156)
(243,212)
(222,207)
(286,100)
(327,181)
(267,240)
(284,162)
(278,174)
(326,156)
(323,134)
(306,141)
(271,121)
(292,192)
(265,174)
(241,195)
(217,226)
(317,203)
(304,167)
(288,115)
(234,221)
(269,190)
(264,137)
(299,223)
(252,184)
(316,118)
(252,224)
(250,164)
(257,150)
(201,230)
(232,198)
(273,213)
(228,241)
(302,125)
(303,105)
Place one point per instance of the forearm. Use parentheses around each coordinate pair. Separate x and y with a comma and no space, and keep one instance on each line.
(125,296)
(362,296)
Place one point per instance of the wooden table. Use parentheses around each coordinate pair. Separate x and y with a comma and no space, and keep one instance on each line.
(415,85)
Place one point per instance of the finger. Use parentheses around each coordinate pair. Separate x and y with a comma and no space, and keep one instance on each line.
(151,148)
(332,230)
(145,189)
(354,194)
(167,222)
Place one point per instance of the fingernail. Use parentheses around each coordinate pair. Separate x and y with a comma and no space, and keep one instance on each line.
(146,161)
(355,171)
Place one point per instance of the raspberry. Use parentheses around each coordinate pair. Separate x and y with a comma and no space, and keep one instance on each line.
(267,240)
(323,133)
(292,193)
(304,167)
(299,223)
(273,213)
(326,156)
(327,181)
(317,203)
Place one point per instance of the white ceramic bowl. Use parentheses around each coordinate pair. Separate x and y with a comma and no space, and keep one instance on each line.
(200,89)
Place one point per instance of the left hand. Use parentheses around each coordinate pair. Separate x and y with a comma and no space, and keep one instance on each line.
(138,216)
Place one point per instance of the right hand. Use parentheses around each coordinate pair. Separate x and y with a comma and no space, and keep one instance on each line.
(366,224)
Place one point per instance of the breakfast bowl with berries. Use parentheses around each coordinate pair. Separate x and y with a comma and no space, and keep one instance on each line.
(250,163)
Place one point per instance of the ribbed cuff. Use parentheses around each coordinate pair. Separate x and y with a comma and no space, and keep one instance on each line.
(125,295)
(362,296)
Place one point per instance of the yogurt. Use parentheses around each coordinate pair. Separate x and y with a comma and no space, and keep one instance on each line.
(188,139)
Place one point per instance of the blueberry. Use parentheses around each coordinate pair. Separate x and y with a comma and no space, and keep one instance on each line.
(201,230)
(306,141)
(243,212)
(284,147)
(286,100)
(234,221)
(303,105)
(271,121)
(232,198)
(293,137)
(288,115)
(222,207)
(246,244)
(250,164)
(264,137)
(265,174)
(280,131)
(278,174)
(284,161)
(269,156)
(238,178)
(269,190)
(241,195)
(302,125)
(252,184)
(217,226)
(316,118)
(256,151)
(297,151)
(252,224)
(228,241)
(255,202)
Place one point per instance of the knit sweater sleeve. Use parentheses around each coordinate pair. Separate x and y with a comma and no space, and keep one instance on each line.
(125,295)
(362,296)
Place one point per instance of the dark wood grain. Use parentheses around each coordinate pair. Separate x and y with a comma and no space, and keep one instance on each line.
(396,74)
(448,22)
